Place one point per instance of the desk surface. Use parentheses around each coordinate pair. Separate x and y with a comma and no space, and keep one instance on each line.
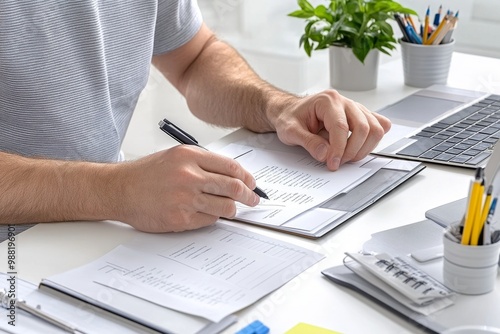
(47,249)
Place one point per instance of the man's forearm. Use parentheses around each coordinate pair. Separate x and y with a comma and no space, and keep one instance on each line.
(221,88)
(36,190)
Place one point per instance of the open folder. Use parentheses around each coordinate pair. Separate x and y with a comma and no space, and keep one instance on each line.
(305,198)
(189,282)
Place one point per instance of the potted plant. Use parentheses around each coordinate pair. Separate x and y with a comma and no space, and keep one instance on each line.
(354,31)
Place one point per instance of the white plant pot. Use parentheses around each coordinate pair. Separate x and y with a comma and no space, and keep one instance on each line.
(348,73)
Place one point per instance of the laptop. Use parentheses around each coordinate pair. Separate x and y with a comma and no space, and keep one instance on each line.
(443,125)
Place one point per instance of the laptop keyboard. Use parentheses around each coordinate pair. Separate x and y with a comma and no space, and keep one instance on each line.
(463,138)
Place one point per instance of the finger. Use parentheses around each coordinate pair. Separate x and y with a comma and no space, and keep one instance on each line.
(316,144)
(216,206)
(229,187)
(378,127)
(360,131)
(367,131)
(182,219)
(337,126)
(219,164)
(225,177)
(190,221)
(327,115)
(383,121)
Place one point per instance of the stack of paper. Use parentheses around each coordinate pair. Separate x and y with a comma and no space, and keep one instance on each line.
(186,282)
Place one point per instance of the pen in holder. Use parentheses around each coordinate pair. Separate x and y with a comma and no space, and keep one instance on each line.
(471,250)
(426,65)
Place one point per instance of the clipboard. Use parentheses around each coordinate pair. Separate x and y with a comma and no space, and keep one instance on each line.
(363,196)
(341,206)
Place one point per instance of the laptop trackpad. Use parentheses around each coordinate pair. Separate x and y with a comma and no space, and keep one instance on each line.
(416,110)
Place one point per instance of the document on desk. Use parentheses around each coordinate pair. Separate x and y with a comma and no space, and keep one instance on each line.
(208,273)
(294,183)
(305,198)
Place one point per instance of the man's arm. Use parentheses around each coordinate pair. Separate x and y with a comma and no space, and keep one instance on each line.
(173,190)
(218,84)
(38,190)
(222,89)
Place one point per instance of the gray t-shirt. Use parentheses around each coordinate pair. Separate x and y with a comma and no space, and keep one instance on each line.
(71,71)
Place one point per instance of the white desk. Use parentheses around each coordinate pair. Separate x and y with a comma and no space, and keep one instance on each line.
(48,249)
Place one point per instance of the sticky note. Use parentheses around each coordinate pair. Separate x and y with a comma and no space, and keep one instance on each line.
(303,328)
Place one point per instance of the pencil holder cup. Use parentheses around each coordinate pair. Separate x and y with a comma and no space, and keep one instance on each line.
(470,270)
(426,65)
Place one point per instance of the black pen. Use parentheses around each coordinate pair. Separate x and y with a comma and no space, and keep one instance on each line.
(185,138)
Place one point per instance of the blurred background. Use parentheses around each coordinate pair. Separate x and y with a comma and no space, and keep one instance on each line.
(269,40)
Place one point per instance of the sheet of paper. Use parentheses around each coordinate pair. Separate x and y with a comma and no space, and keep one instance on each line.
(396,132)
(211,272)
(297,181)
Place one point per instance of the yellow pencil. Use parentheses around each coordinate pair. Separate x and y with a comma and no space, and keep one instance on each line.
(442,34)
(437,31)
(481,218)
(471,213)
(487,203)
(425,33)
(478,225)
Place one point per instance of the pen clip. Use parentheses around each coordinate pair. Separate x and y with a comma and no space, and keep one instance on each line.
(166,122)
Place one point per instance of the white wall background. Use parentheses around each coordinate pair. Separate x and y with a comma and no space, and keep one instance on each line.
(263,33)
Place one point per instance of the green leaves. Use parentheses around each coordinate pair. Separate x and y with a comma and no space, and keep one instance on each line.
(306,10)
(358,24)
(305,5)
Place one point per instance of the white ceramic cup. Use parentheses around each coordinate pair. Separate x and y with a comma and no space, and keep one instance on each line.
(468,269)
(426,65)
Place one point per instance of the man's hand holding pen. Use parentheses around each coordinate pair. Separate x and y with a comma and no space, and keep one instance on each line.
(182,188)
(183,137)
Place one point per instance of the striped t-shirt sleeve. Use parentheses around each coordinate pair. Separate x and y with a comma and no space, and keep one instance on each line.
(176,24)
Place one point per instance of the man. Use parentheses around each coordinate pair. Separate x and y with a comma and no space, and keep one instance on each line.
(70,76)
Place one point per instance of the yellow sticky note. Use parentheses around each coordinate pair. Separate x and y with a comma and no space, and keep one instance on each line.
(303,328)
